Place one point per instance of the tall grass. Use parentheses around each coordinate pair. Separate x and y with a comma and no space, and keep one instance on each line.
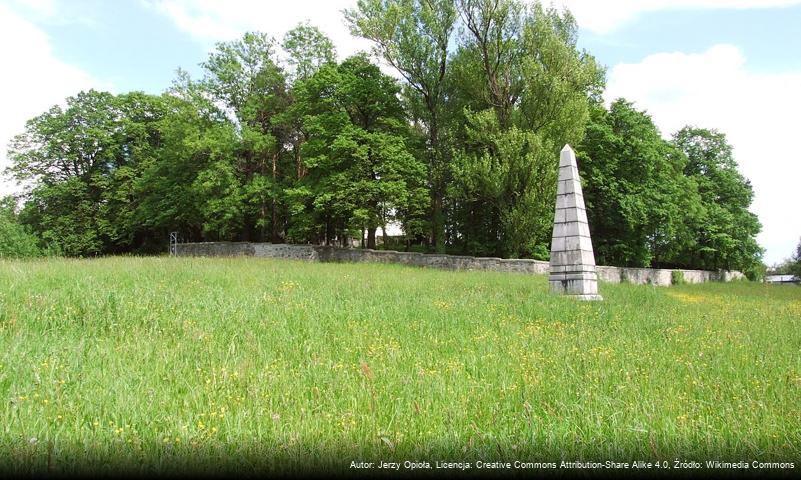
(164,364)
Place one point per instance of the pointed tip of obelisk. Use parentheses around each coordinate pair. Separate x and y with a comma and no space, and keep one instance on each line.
(567,157)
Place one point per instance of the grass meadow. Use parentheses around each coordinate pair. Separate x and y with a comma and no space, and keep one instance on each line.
(174,364)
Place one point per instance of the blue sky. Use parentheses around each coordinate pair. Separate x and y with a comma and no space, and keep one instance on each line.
(769,38)
(733,65)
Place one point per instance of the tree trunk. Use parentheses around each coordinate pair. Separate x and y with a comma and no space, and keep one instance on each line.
(437,223)
(437,188)
(246,228)
(274,222)
(263,228)
(298,160)
(371,238)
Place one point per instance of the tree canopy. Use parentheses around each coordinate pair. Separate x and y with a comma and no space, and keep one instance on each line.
(795,267)
(283,142)
(654,202)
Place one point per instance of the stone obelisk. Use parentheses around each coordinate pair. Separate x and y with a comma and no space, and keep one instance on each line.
(572,269)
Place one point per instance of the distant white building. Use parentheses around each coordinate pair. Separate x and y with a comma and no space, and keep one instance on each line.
(782,279)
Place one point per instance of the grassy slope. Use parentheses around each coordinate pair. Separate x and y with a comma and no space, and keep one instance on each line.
(162,363)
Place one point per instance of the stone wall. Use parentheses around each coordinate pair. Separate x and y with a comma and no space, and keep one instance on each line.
(281,250)
(661,277)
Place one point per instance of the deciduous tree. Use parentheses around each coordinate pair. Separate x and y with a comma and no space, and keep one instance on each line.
(413,36)
(726,233)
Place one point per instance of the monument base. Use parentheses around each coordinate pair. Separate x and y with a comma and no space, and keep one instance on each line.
(574,286)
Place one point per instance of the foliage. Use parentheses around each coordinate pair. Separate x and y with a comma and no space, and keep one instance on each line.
(283,143)
(308,49)
(413,36)
(244,76)
(360,172)
(641,207)
(505,189)
(530,91)
(726,230)
(669,204)
(15,240)
(792,265)
(194,136)
(81,163)
(757,272)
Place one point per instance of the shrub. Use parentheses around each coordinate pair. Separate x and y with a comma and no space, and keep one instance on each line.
(677,277)
(15,241)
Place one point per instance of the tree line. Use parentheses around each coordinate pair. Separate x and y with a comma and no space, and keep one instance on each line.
(281,142)
(788,266)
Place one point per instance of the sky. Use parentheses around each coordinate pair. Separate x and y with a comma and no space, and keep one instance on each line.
(731,65)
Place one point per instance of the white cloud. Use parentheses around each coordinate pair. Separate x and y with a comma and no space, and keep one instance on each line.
(214,20)
(33,80)
(757,112)
(39,8)
(607,15)
(55,12)
(226,20)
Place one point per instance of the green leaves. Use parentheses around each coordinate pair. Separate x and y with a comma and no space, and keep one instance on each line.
(15,239)
(653,202)
(223,200)
(523,91)
(462,153)
(504,183)
(308,49)
(360,172)
(558,80)
(727,230)
(413,37)
(639,203)
(795,261)
(82,163)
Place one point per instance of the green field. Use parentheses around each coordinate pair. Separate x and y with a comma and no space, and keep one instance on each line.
(165,364)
